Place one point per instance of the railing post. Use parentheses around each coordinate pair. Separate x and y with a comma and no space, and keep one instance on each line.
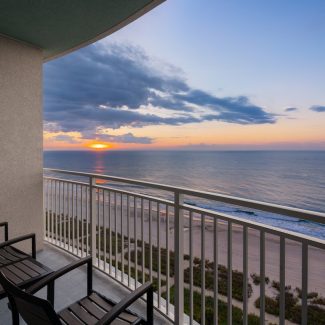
(179,259)
(44,213)
(92,216)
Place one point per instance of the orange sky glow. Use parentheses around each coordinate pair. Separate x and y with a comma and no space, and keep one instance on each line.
(307,133)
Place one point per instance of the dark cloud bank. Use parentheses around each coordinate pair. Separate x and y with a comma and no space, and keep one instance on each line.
(112,87)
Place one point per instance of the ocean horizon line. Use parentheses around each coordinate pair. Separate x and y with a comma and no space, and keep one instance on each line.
(187,150)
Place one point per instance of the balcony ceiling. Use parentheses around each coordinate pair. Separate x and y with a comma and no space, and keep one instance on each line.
(61,26)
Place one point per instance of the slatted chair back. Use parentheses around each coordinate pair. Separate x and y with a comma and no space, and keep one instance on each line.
(32,309)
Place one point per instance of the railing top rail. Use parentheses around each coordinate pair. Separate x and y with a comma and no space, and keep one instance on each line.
(56,179)
(252,204)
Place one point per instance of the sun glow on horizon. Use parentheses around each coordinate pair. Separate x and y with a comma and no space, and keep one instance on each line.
(99,146)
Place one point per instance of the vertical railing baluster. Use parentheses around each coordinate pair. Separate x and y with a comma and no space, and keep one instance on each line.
(129,238)
(64,216)
(191,267)
(159,254)
(82,220)
(73,222)
(60,224)
(135,243)
(304,284)
(105,230)
(215,272)
(245,276)
(202,269)
(229,275)
(53,210)
(110,232)
(98,228)
(76,221)
(56,212)
(48,211)
(49,227)
(282,280)
(142,241)
(262,277)
(179,258)
(92,216)
(59,214)
(44,208)
(87,221)
(80,252)
(150,241)
(167,261)
(49,230)
(122,239)
(116,235)
(63,213)
(77,217)
(69,216)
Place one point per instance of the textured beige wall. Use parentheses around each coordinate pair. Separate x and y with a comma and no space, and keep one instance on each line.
(21,145)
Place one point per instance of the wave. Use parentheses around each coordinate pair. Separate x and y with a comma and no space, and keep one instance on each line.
(305,227)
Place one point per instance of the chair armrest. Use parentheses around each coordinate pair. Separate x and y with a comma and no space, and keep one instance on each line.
(125,303)
(5,224)
(49,279)
(19,239)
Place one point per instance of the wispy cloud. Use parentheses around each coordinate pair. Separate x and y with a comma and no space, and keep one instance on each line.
(66,138)
(123,138)
(112,87)
(318,109)
(291,109)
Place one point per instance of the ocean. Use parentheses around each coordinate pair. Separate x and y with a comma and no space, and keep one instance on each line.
(294,178)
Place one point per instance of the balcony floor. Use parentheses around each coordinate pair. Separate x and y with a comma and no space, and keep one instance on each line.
(73,286)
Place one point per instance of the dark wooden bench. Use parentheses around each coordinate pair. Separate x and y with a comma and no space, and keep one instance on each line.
(19,267)
(93,308)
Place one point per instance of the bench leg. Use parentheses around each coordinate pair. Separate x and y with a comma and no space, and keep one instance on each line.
(14,313)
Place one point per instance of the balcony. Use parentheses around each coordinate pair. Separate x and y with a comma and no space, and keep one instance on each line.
(205,265)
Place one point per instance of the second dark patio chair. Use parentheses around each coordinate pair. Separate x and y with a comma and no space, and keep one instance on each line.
(93,308)
(19,267)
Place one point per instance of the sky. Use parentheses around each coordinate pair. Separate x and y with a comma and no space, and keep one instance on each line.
(195,75)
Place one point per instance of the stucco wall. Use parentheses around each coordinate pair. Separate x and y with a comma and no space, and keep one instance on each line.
(21,158)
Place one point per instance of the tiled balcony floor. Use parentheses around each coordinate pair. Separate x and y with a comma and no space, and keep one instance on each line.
(72,286)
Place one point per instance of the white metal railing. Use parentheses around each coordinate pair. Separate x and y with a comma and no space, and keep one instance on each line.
(134,236)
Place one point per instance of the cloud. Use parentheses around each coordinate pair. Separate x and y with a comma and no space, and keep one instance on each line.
(291,109)
(123,138)
(317,108)
(118,86)
(66,138)
(90,135)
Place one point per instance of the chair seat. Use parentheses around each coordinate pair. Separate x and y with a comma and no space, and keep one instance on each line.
(90,309)
(23,273)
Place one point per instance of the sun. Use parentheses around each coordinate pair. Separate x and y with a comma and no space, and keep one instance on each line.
(99,146)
